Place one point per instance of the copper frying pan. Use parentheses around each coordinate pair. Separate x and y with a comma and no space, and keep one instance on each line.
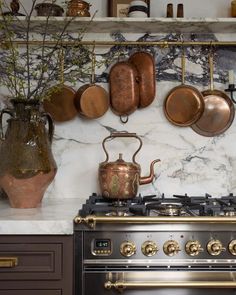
(219,110)
(91,100)
(60,101)
(184,104)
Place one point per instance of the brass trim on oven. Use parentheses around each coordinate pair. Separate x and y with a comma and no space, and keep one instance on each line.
(8,262)
(91,220)
(122,285)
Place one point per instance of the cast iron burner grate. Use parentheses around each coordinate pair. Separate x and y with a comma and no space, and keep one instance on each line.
(144,206)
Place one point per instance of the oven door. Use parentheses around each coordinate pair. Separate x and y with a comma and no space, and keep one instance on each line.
(159,282)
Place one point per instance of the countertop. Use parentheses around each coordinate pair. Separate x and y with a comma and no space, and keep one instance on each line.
(53,217)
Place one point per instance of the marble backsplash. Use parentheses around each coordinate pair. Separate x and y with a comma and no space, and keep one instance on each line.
(190,163)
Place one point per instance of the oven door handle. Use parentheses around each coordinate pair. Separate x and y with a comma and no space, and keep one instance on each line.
(122,285)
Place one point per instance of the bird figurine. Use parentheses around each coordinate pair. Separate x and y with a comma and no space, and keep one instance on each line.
(15,6)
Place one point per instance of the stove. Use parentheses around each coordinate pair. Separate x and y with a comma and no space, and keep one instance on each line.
(156,245)
(177,205)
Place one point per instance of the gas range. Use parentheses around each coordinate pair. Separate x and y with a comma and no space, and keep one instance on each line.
(177,245)
(152,205)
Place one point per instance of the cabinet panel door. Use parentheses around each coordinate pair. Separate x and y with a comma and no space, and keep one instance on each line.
(30,292)
(34,261)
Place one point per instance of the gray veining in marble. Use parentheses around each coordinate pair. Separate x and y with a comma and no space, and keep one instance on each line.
(190,163)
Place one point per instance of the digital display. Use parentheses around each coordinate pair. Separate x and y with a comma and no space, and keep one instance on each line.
(102,244)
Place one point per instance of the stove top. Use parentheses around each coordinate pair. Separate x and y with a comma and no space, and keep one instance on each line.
(152,205)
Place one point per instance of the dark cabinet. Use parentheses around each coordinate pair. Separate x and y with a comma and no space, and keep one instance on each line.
(36,265)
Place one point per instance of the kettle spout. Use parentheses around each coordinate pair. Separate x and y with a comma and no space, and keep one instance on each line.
(149,179)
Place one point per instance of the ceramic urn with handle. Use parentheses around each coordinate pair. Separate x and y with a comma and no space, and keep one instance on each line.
(120,179)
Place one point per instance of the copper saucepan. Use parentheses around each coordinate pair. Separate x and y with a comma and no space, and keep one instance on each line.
(184,104)
(91,100)
(219,110)
(60,101)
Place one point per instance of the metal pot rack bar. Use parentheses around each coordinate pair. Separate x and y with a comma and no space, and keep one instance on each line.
(164,44)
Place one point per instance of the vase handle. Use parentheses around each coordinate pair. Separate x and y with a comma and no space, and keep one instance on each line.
(50,126)
(4,111)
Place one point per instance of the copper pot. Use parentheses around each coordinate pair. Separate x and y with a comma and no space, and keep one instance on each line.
(78,8)
(120,179)
(46,9)
(91,100)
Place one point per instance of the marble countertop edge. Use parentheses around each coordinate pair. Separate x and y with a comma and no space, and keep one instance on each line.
(52,217)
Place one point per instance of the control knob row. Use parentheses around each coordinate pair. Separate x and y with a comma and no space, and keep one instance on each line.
(171,248)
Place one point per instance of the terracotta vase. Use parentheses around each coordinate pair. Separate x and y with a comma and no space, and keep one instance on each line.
(27,166)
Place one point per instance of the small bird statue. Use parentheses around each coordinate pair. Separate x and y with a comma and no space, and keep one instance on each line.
(15,6)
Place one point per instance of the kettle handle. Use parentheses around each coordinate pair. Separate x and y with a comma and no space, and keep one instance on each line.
(50,126)
(4,111)
(122,134)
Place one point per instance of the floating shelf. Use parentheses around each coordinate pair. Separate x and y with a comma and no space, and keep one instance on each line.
(132,25)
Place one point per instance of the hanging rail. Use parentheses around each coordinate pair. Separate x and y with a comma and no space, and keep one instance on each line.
(125,43)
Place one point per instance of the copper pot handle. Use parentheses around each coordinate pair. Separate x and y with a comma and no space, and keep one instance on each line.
(50,126)
(4,111)
(122,134)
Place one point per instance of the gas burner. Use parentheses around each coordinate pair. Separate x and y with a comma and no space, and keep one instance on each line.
(165,209)
(169,209)
(119,213)
(119,203)
(152,205)
(229,211)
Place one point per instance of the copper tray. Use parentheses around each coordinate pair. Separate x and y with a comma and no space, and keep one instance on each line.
(218,114)
(145,65)
(124,89)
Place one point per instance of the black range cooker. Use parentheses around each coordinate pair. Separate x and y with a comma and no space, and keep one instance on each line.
(156,245)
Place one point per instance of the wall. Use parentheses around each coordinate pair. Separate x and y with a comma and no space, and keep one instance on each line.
(190,163)
(200,8)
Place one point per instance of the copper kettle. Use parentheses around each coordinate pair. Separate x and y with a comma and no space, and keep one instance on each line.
(120,179)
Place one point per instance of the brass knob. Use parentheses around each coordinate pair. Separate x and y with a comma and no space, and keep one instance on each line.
(215,247)
(149,248)
(127,249)
(232,247)
(193,248)
(171,248)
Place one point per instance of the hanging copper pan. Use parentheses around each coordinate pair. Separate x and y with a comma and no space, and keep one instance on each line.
(219,110)
(144,62)
(60,101)
(184,104)
(124,89)
(91,100)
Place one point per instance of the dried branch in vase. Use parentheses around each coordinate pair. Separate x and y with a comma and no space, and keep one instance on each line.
(29,71)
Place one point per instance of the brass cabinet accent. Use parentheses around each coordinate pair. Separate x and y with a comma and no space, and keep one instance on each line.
(8,261)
